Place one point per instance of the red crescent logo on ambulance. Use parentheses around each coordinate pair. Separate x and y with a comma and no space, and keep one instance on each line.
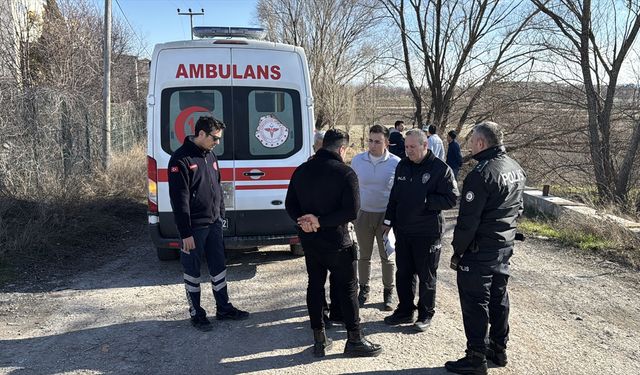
(183,117)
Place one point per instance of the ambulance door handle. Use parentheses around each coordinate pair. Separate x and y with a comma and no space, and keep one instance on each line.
(254,173)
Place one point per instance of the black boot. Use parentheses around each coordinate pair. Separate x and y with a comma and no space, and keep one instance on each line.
(321,343)
(497,354)
(358,346)
(473,363)
(363,295)
(387,300)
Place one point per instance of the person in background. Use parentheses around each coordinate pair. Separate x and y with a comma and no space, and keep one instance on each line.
(396,140)
(375,169)
(435,143)
(454,155)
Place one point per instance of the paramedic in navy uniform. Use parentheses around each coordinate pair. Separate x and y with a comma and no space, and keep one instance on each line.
(198,208)
(323,198)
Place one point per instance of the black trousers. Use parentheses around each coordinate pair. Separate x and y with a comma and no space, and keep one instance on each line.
(343,267)
(484,301)
(332,310)
(417,256)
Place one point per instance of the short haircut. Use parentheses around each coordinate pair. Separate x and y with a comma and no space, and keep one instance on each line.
(422,138)
(334,139)
(490,132)
(208,124)
(318,137)
(379,129)
(432,129)
(452,134)
(398,123)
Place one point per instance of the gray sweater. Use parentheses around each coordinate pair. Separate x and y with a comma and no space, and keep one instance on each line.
(375,180)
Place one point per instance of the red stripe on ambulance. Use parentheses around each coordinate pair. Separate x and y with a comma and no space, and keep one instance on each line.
(226,174)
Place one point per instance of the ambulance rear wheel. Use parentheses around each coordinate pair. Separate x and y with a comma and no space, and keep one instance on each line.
(167,254)
(296,249)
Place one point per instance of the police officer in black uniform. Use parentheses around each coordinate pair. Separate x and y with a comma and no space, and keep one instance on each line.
(423,186)
(483,244)
(323,198)
(198,208)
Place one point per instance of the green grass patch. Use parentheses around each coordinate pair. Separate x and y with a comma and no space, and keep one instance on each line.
(552,229)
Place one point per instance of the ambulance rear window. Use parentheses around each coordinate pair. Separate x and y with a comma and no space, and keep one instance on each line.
(181,109)
(272,123)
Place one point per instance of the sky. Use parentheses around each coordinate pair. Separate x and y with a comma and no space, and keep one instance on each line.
(157,21)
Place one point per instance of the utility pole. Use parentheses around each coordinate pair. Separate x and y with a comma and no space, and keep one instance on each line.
(106,97)
(191,14)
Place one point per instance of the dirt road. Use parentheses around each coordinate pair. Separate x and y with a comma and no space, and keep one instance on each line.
(570,315)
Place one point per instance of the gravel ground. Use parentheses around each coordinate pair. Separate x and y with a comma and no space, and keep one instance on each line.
(570,314)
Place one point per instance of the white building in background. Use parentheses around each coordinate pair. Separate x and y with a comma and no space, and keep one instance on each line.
(20,23)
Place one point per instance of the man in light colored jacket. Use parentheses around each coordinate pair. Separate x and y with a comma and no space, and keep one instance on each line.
(375,169)
(435,143)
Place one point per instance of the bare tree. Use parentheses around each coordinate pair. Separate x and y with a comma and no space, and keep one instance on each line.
(594,41)
(341,42)
(454,50)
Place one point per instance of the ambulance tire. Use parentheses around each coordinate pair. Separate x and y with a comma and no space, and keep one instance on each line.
(296,249)
(167,254)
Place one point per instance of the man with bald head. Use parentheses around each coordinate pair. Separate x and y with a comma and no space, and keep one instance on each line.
(423,186)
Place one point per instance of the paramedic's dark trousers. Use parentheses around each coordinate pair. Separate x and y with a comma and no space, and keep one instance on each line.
(209,245)
(342,265)
(417,256)
(484,300)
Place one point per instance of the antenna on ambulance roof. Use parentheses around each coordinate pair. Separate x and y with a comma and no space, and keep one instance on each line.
(229,32)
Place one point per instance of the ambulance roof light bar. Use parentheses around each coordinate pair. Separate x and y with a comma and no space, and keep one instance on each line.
(229,32)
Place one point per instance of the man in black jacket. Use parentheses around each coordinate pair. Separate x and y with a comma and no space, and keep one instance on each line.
(323,198)
(396,140)
(483,244)
(423,186)
(198,208)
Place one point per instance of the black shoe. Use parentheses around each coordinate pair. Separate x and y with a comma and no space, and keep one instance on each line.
(358,346)
(422,324)
(321,343)
(363,295)
(201,323)
(473,363)
(387,304)
(232,314)
(497,355)
(398,318)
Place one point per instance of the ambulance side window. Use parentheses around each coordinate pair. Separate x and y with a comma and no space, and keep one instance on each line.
(271,123)
(181,108)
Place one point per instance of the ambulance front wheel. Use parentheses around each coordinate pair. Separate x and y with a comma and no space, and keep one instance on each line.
(296,249)
(167,254)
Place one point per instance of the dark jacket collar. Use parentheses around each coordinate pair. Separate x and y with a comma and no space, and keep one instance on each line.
(326,154)
(490,153)
(192,147)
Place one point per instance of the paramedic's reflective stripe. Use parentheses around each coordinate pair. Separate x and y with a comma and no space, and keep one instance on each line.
(219,286)
(227,174)
(192,289)
(191,279)
(219,276)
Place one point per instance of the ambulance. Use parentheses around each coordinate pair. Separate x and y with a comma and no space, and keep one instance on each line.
(262,92)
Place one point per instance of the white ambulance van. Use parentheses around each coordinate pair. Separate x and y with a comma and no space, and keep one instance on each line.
(262,92)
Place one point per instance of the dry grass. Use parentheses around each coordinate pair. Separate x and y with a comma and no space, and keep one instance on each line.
(70,219)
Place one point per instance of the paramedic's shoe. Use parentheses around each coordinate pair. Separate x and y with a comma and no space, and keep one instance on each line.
(201,323)
(473,363)
(232,314)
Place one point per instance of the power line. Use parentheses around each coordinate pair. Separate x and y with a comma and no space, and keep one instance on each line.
(132,29)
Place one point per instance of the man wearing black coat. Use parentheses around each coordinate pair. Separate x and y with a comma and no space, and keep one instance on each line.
(323,198)
(483,244)
(423,186)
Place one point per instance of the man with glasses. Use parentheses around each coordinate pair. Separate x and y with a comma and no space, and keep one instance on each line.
(198,208)
(375,169)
